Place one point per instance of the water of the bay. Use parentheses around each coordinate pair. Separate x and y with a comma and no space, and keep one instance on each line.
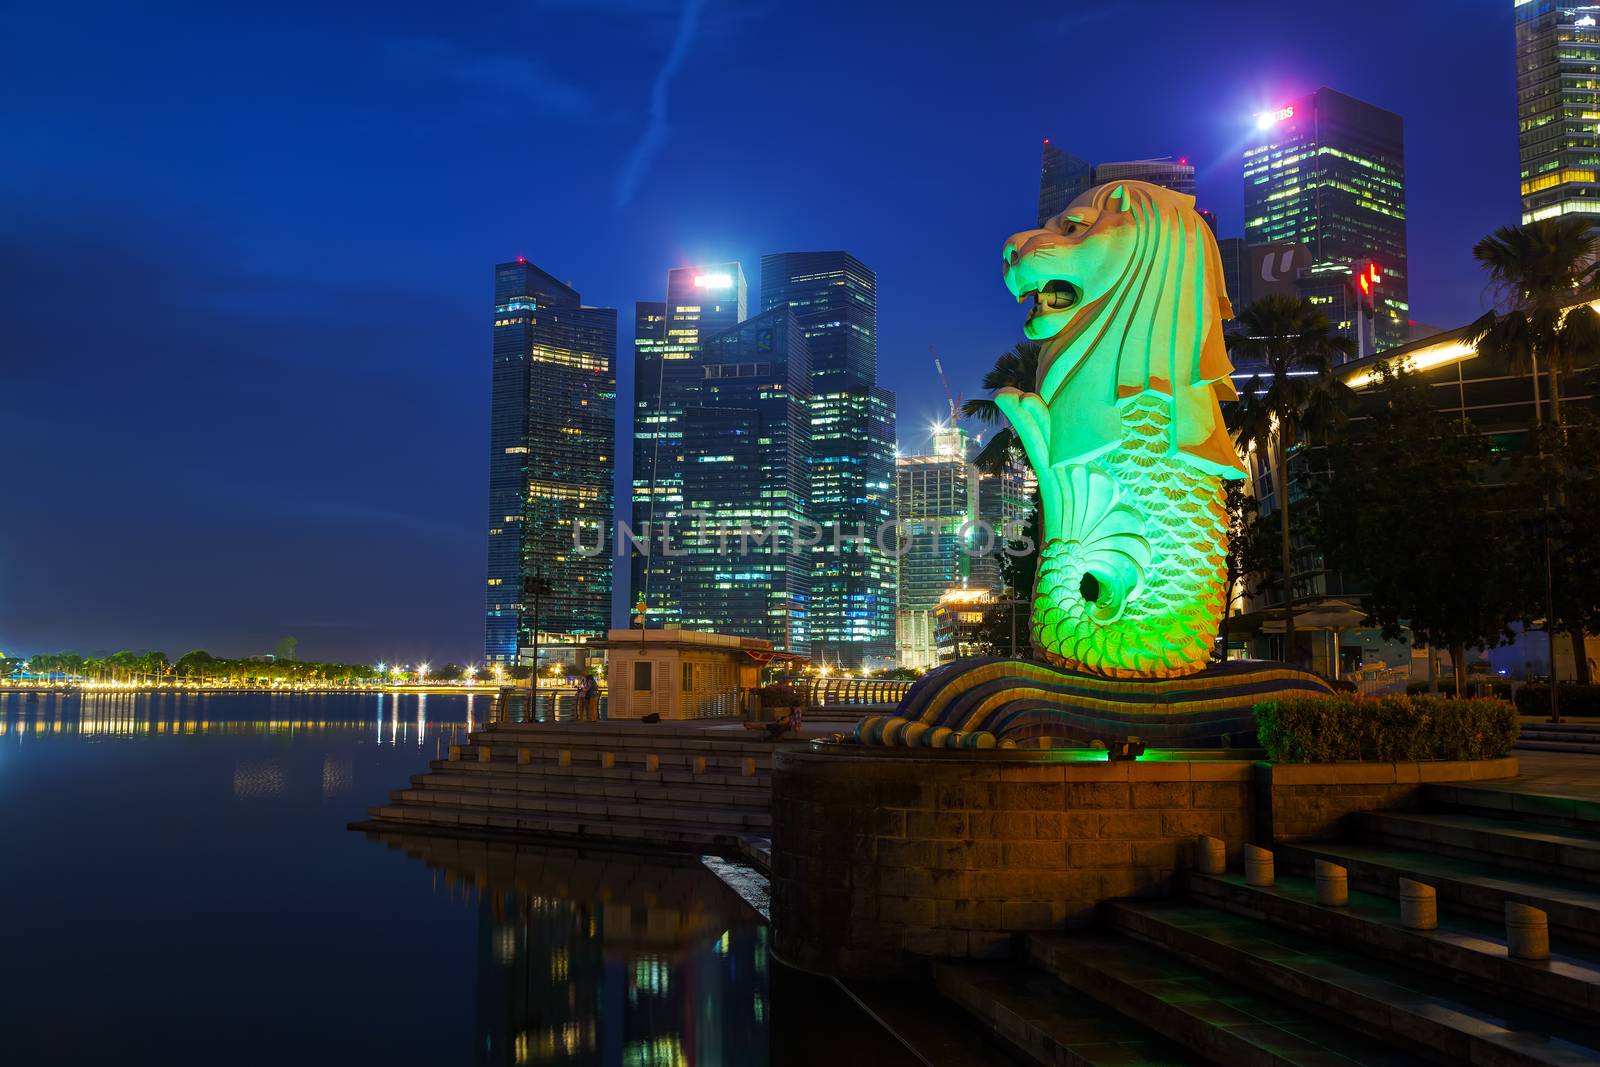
(178,886)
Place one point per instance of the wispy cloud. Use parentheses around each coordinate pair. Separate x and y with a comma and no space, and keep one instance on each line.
(655,134)
(528,80)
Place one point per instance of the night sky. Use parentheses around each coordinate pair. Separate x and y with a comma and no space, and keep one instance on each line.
(246,251)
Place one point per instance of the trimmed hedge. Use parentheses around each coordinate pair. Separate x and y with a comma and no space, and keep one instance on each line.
(1576,699)
(1390,729)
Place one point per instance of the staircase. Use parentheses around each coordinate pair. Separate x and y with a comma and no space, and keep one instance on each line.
(1241,975)
(683,785)
(1540,736)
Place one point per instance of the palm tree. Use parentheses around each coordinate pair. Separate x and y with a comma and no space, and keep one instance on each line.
(1541,269)
(1290,346)
(1016,369)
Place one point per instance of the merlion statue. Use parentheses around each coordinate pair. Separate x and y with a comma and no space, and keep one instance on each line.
(1124,430)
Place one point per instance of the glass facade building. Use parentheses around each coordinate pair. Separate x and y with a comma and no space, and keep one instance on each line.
(1063,176)
(834,298)
(743,568)
(701,300)
(1328,171)
(1174,174)
(1558,108)
(937,502)
(551,460)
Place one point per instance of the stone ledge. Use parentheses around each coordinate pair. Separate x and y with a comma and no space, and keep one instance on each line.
(1353,772)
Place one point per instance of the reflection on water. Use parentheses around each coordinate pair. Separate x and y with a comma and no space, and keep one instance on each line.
(180,852)
(606,958)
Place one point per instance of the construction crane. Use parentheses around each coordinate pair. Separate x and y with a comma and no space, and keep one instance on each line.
(952,399)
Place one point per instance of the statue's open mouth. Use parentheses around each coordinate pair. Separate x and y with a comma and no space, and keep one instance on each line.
(1049,300)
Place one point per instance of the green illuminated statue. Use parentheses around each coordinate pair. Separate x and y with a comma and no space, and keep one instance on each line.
(1124,431)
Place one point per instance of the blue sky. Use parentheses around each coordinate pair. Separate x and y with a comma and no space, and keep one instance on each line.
(245,255)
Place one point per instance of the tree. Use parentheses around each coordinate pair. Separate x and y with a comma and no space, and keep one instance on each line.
(1250,552)
(1006,629)
(196,664)
(1016,369)
(1407,506)
(285,648)
(1291,396)
(1540,269)
(1568,454)
(450,672)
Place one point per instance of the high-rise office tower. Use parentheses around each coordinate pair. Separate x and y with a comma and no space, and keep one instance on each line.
(1062,176)
(1328,171)
(1174,174)
(937,499)
(700,301)
(1005,500)
(834,298)
(551,443)
(1558,99)
(746,437)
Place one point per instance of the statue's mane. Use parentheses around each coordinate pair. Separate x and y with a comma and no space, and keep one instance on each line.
(1160,323)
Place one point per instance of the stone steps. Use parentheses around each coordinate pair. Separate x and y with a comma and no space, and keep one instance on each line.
(617,787)
(627,809)
(1050,1023)
(1464,949)
(1539,745)
(595,771)
(1421,1015)
(1527,846)
(1463,886)
(672,785)
(1217,1019)
(1506,802)
(467,822)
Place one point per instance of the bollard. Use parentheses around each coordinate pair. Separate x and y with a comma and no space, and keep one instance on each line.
(1333,885)
(699,765)
(1419,906)
(608,760)
(455,752)
(1527,932)
(485,753)
(749,766)
(524,757)
(1257,866)
(652,763)
(1210,855)
(565,758)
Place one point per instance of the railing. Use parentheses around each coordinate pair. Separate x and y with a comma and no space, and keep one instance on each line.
(555,705)
(873,692)
(1386,680)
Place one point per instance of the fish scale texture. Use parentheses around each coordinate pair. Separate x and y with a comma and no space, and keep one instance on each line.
(1153,530)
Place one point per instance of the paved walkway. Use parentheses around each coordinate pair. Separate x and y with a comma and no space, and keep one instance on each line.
(1566,774)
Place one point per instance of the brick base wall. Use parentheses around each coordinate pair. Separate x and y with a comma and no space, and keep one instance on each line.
(885,858)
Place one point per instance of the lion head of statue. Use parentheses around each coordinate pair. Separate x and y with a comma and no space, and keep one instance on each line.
(1128,299)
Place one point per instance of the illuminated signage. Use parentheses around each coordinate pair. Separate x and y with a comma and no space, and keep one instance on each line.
(1272,118)
(713,281)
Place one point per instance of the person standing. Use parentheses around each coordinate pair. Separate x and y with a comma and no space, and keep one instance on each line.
(588,699)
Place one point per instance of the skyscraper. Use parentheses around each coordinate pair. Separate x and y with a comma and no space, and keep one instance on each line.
(1062,177)
(1328,171)
(1558,98)
(551,444)
(746,437)
(937,500)
(834,297)
(700,301)
(1174,174)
